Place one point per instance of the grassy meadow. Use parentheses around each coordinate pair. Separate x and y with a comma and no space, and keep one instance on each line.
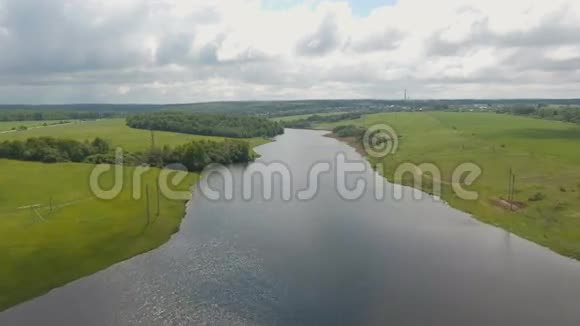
(544,155)
(44,248)
(70,232)
(13,125)
(115,131)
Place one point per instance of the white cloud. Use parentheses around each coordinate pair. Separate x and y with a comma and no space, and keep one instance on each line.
(194,50)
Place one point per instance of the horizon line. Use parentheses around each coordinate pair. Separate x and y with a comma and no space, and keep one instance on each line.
(303,100)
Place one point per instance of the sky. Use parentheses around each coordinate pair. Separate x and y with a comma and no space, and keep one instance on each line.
(179,51)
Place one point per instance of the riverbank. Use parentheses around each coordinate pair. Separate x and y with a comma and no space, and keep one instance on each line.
(541,153)
(51,236)
(54,230)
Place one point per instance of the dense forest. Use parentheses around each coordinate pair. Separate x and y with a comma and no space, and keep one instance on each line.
(195,156)
(208,124)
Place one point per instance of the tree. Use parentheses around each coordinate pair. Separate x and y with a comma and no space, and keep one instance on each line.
(100,146)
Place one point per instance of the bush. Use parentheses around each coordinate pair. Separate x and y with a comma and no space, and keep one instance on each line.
(523,110)
(538,196)
(349,131)
(110,158)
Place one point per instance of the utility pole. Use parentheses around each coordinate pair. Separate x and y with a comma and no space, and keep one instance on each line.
(511,188)
(405,97)
(158,201)
(147,203)
(152,138)
(509,193)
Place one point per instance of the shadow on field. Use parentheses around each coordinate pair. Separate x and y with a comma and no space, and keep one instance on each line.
(537,133)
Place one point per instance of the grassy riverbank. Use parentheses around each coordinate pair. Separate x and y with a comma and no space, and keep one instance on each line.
(54,230)
(543,154)
(43,248)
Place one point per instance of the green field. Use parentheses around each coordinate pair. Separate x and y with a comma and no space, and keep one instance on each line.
(115,131)
(43,248)
(544,155)
(10,125)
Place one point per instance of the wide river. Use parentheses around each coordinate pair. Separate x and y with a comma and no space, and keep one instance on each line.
(324,261)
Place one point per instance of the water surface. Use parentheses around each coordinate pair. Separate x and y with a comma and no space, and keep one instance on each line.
(326,261)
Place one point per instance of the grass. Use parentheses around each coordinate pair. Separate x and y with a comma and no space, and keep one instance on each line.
(543,154)
(83,234)
(116,131)
(44,249)
(13,125)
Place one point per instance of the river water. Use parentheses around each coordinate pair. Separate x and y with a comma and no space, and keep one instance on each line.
(325,261)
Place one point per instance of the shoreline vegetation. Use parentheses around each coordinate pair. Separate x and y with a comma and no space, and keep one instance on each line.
(54,230)
(194,155)
(541,153)
(310,121)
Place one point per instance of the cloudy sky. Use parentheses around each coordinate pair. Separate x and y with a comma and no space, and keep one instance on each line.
(169,51)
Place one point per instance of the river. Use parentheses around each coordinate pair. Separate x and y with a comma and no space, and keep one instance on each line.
(324,261)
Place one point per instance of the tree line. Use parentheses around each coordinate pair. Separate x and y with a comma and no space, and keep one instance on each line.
(207,124)
(566,114)
(52,150)
(308,123)
(49,115)
(195,156)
